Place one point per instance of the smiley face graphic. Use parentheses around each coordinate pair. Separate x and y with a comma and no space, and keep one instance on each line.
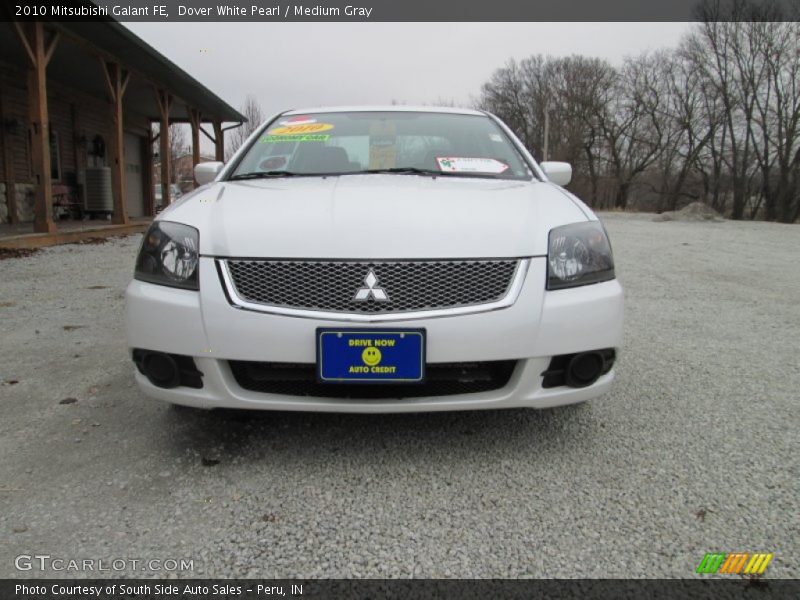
(371,356)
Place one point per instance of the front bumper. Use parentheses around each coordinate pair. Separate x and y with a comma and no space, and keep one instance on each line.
(536,327)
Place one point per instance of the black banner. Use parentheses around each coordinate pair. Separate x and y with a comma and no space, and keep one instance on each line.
(397,11)
(326,589)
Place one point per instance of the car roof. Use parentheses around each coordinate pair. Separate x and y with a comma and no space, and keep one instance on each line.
(385,108)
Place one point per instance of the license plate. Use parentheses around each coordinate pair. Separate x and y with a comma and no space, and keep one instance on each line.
(371,355)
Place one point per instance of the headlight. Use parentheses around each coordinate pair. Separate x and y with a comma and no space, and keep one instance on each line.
(169,256)
(578,254)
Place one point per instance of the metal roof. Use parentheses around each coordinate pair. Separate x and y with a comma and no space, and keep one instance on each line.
(136,54)
(75,63)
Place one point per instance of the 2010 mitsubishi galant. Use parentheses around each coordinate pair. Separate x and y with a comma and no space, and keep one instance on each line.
(375,259)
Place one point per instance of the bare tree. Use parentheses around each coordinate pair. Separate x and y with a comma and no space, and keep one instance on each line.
(749,57)
(722,52)
(717,119)
(691,120)
(586,82)
(778,120)
(251,109)
(505,95)
(631,124)
(570,89)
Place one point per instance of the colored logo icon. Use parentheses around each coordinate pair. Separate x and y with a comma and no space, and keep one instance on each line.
(371,356)
(735,563)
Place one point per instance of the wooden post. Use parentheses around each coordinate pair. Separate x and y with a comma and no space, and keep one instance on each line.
(194,120)
(78,143)
(219,141)
(164,101)
(39,55)
(116,82)
(8,168)
(147,161)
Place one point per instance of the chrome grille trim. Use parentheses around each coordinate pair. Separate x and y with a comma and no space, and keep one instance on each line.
(506,299)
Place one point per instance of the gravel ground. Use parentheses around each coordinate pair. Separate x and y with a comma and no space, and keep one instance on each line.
(695,450)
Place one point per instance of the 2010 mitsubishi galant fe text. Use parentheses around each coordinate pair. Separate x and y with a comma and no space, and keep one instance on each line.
(380,259)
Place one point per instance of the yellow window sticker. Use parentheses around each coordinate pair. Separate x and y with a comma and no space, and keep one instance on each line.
(301,129)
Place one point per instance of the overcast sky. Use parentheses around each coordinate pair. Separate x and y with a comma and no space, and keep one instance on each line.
(294,65)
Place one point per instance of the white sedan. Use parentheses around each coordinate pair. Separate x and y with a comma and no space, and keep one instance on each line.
(376,259)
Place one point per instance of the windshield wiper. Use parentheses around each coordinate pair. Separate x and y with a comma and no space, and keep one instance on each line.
(394,170)
(264,175)
(403,170)
(432,172)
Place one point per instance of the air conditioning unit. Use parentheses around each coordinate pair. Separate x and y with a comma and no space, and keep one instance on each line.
(97,195)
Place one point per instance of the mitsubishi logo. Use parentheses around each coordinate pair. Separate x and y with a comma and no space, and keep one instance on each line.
(371,290)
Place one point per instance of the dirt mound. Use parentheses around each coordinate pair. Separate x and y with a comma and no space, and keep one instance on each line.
(696,211)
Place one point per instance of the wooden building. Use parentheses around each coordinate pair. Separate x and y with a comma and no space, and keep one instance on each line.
(78,96)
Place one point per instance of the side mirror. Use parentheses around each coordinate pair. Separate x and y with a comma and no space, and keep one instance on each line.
(206,172)
(559,173)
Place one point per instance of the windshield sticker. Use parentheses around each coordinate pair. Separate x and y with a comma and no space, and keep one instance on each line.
(382,144)
(299,120)
(460,164)
(308,137)
(495,137)
(301,129)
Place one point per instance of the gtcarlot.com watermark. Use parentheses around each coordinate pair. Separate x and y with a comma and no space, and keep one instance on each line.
(46,562)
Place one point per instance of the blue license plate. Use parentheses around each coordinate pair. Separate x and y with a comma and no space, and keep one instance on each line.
(371,355)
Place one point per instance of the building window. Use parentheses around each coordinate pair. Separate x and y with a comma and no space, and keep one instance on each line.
(55,155)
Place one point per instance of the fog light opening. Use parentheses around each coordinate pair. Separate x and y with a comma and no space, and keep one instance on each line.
(161,369)
(584,369)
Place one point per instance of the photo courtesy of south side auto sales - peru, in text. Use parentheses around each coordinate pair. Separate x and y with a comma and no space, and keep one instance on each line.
(157,589)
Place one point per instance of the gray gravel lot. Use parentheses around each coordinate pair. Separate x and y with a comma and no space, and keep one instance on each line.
(695,450)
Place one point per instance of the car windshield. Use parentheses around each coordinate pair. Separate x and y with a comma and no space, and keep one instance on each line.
(426,143)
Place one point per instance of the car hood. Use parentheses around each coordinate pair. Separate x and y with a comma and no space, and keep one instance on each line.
(376,217)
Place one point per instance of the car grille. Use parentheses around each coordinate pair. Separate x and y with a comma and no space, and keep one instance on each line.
(441,379)
(409,285)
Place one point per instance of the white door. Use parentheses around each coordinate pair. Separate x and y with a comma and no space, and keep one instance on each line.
(133,174)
